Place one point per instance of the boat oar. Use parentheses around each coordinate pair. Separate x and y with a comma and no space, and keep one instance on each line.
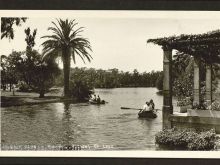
(157,109)
(130,108)
(136,108)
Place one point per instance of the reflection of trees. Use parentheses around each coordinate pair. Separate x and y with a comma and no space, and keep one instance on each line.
(29,110)
(72,134)
(67,113)
(66,125)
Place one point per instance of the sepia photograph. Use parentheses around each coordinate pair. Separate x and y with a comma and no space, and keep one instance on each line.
(110,81)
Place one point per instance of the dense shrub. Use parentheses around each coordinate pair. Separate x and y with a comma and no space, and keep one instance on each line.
(23,87)
(159,82)
(203,141)
(186,139)
(215,106)
(80,90)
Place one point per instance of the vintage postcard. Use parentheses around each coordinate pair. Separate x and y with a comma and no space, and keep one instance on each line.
(110,83)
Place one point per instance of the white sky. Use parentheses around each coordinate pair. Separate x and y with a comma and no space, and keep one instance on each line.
(119,41)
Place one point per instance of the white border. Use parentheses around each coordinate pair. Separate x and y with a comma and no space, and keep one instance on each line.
(117,154)
(112,14)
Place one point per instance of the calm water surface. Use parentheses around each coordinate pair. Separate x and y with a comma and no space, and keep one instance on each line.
(94,126)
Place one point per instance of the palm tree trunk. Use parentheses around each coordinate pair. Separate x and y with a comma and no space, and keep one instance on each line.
(41,89)
(10,86)
(41,94)
(66,69)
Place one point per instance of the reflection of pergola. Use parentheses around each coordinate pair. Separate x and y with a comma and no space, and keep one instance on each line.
(202,47)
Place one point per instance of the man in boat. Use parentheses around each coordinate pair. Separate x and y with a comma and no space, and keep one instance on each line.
(152,104)
(98,99)
(147,111)
(146,107)
(94,98)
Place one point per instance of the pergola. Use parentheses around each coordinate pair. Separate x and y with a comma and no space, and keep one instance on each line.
(204,47)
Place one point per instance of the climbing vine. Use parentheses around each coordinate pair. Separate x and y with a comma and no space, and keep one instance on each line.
(206,46)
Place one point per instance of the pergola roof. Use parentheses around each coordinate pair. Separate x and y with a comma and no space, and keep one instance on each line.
(206,46)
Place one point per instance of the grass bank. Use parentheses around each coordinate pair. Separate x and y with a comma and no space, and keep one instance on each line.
(26,98)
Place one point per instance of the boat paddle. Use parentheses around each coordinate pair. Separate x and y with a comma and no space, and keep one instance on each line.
(136,108)
(130,108)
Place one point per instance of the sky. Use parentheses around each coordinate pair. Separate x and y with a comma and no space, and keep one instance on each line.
(119,41)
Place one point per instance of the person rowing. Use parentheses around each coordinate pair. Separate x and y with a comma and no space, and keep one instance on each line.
(94,98)
(147,111)
(146,108)
(152,104)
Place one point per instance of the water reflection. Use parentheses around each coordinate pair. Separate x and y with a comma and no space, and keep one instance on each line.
(68,124)
(67,138)
(23,110)
(67,114)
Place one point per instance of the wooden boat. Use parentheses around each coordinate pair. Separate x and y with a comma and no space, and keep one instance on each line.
(97,103)
(147,114)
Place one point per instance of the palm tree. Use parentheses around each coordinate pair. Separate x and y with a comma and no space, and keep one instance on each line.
(66,39)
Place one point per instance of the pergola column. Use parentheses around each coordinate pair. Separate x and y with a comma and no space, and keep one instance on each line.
(196,88)
(208,82)
(167,87)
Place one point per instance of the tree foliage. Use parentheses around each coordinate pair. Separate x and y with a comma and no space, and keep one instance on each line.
(28,68)
(183,76)
(7,23)
(30,72)
(80,90)
(112,78)
(9,72)
(187,139)
(66,39)
(159,82)
(45,73)
(206,46)
(30,38)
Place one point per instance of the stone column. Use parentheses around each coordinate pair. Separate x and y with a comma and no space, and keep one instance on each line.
(196,88)
(167,87)
(208,83)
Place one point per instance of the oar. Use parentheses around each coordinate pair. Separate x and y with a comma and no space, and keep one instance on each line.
(130,108)
(137,108)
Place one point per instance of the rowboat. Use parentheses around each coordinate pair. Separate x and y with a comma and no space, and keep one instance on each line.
(97,103)
(143,114)
(147,114)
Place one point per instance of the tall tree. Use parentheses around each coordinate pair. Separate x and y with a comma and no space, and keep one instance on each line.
(9,71)
(31,55)
(66,39)
(44,73)
(7,23)
(30,39)
(3,71)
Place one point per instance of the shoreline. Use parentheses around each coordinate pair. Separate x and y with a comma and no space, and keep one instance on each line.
(32,101)
(12,103)
(25,98)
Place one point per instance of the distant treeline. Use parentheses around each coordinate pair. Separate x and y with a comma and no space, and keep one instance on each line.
(113,78)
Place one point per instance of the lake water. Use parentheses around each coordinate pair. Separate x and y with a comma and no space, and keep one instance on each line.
(104,127)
